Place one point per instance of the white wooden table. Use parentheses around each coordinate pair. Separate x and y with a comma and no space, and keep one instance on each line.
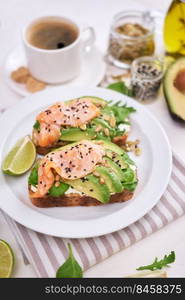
(98,13)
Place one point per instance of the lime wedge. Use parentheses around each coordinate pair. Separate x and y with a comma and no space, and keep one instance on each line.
(20,158)
(6,260)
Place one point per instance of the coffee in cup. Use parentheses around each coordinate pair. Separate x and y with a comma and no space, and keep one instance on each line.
(52,34)
(54,48)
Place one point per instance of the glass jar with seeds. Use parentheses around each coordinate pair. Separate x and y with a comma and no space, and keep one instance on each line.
(146,76)
(131,36)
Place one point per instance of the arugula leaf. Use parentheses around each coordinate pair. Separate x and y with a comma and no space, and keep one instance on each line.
(120,112)
(71,268)
(159,264)
(120,87)
(59,190)
(33,178)
(36,125)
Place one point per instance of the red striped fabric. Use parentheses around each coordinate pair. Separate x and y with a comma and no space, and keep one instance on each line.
(47,253)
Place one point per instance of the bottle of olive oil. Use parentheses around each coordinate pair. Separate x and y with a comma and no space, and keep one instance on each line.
(174,29)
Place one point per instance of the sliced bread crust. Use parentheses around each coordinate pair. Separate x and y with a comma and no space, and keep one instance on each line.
(74,199)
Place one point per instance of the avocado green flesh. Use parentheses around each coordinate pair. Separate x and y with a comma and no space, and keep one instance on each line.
(115,168)
(101,122)
(117,175)
(130,186)
(91,186)
(111,179)
(96,100)
(76,134)
(110,146)
(175,99)
(118,159)
(129,176)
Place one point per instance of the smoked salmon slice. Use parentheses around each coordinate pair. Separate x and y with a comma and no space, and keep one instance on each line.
(70,163)
(75,114)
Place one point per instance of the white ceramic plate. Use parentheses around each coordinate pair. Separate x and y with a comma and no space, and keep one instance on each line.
(92,71)
(154,168)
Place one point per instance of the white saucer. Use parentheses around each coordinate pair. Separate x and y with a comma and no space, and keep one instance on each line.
(92,72)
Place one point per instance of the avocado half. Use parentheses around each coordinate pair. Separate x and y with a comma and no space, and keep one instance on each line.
(174,97)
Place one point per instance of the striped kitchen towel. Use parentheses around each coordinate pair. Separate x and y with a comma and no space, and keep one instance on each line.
(47,253)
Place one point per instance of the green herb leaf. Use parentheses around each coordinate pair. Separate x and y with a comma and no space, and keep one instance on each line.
(36,125)
(120,112)
(159,264)
(33,178)
(71,268)
(120,87)
(57,191)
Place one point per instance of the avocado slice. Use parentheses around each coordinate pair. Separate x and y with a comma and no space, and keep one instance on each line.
(130,186)
(91,186)
(125,171)
(174,97)
(111,146)
(97,100)
(111,179)
(115,168)
(77,134)
(114,148)
(118,159)
(102,122)
(129,176)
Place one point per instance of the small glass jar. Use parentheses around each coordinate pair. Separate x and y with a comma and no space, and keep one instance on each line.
(131,36)
(146,76)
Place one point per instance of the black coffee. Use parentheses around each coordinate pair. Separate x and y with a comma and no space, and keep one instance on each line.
(52,34)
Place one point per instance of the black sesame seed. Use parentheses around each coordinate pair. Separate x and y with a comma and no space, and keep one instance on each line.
(91,190)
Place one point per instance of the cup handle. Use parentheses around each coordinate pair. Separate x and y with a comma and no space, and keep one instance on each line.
(88,38)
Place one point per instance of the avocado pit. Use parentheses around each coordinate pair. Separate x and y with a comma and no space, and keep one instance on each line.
(179,81)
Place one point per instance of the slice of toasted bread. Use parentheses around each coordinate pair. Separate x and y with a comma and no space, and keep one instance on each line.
(45,150)
(74,199)
(120,141)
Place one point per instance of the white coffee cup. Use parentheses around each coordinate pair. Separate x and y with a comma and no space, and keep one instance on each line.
(58,65)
